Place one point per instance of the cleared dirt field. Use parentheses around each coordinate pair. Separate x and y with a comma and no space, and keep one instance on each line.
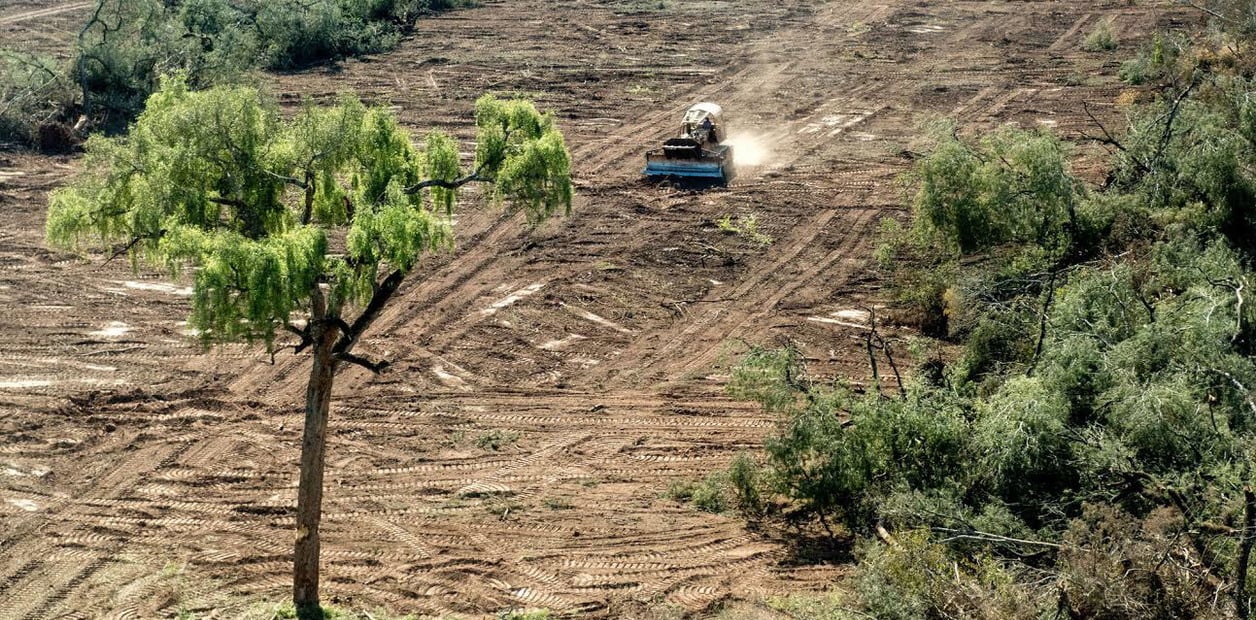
(140,475)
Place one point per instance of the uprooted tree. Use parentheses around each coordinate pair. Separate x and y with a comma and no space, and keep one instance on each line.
(293,225)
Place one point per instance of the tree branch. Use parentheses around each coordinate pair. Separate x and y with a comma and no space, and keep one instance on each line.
(383,293)
(1107,135)
(1042,322)
(286,179)
(339,323)
(229,202)
(374,367)
(132,244)
(303,334)
(988,537)
(1171,116)
(1242,602)
(1206,10)
(454,184)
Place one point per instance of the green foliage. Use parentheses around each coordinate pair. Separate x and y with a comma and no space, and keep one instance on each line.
(742,487)
(128,44)
(1009,187)
(710,494)
(218,181)
(1190,159)
(496,439)
(746,226)
(747,484)
(1155,61)
(771,377)
(525,614)
(1089,450)
(826,606)
(916,577)
(525,154)
(1100,39)
(1008,197)
(839,453)
(298,33)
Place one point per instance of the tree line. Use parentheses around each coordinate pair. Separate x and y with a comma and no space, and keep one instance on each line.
(125,46)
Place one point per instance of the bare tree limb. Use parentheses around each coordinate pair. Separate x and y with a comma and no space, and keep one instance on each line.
(349,337)
(303,334)
(474,177)
(988,537)
(127,248)
(1205,10)
(374,367)
(1042,321)
(1107,138)
(1171,116)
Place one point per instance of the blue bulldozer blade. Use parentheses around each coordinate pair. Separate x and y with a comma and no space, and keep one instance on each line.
(681,168)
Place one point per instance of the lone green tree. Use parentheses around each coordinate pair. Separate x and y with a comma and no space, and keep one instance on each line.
(306,225)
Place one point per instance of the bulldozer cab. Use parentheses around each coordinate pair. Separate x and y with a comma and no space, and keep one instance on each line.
(702,123)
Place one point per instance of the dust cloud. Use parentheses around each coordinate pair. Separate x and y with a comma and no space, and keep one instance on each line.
(749,149)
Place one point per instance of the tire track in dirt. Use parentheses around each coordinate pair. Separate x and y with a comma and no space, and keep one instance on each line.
(571,514)
(72,572)
(483,253)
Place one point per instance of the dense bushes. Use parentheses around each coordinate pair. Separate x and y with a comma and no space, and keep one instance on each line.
(1088,452)
(126,45)
(35,98)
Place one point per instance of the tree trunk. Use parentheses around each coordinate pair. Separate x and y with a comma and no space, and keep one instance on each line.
(310,491)
(1242,604)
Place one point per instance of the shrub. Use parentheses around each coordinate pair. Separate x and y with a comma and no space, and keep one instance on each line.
(295,34)
(34,93)
(746,227)
(128,44)
(1100,39)
(1094,438)
(915,577)
(1009,187)
(496,439)
(745,480)
(1154,61)
(711,494)
(721,491)
(1113,566)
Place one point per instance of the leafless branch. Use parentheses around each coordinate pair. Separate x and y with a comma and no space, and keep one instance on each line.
(374,367)
(454,184)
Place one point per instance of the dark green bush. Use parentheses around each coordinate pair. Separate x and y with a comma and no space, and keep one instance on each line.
(128,44)
(745,480)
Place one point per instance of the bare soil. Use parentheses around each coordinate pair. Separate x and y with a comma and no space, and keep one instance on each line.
(141,476)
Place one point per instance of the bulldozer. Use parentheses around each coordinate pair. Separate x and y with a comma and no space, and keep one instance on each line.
(697,154)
